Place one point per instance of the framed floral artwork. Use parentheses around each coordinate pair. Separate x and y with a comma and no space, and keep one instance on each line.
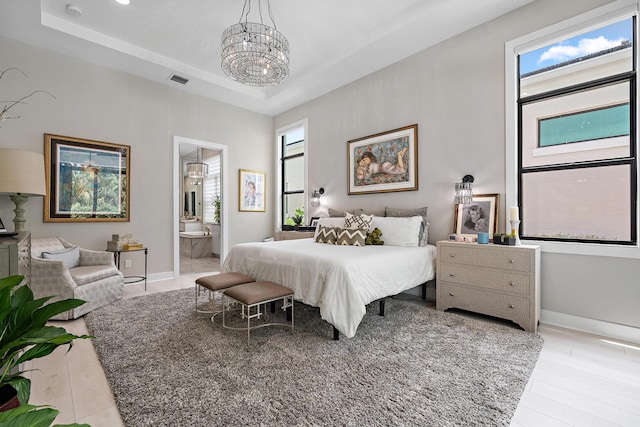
(383,162)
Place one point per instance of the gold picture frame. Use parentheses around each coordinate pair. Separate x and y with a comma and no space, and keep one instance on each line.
(252,191)
(87,181)
(481,215)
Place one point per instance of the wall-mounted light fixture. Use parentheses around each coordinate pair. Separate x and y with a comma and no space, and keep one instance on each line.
(316,198)
(464,190)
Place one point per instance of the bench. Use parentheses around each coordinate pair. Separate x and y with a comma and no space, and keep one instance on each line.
(251,296)
(217,283)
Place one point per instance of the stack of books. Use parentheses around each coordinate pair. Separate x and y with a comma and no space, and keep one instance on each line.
(123,242)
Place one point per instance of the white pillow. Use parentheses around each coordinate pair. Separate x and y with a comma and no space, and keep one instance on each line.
(357,221)
(329,222)
(399,231)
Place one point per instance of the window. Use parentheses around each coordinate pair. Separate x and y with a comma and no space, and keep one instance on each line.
(292,173)
(211,185)
(576,136)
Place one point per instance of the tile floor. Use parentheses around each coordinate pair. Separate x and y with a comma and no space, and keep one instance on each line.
(579,379)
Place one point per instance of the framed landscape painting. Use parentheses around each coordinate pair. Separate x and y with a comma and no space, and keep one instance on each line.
(87,181)
(383,162)
(481,215)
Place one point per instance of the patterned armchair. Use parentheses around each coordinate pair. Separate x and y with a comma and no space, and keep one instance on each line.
(64,270)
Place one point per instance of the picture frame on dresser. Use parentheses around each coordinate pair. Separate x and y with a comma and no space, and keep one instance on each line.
(481,215)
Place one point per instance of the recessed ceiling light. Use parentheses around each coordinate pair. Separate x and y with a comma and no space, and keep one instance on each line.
(123,1)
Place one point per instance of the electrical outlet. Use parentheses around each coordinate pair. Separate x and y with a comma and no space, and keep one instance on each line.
(127,263)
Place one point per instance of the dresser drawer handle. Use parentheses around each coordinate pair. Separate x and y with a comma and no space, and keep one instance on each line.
(452,255)
(511,284)
(511,261)
(451,294)
(452,275)
(512,306)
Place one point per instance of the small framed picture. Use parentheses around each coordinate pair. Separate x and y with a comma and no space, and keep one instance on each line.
(314,221)
(252,188)
(481,215)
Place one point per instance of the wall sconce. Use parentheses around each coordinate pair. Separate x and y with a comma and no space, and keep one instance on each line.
(464,190)
(316,198)
(21,176)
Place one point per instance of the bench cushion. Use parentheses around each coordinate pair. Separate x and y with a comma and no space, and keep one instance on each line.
(257,292)
(217,282)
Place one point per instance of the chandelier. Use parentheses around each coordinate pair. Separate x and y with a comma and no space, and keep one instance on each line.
(197,170)
(253,53)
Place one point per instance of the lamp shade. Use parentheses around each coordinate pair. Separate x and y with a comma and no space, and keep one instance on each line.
(22,172)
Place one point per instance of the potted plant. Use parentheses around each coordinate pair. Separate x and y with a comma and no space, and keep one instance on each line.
(216,209)
(295,220)
(24,336)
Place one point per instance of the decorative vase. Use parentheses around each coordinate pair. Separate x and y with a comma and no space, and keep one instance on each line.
(8,398)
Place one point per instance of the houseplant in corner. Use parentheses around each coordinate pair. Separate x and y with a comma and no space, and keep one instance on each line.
(24,336)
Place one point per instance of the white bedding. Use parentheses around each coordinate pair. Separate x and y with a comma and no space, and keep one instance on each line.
(341,280)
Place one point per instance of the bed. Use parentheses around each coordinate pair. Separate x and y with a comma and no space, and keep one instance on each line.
(340,280)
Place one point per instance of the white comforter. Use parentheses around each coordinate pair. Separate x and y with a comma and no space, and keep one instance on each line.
(341,280)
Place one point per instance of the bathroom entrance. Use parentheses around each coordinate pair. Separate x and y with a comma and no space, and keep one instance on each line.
(200,233)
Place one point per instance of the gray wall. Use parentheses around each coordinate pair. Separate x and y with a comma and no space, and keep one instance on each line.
(455,92)
(98,103)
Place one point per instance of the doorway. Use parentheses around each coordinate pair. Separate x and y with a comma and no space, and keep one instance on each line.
(182,146)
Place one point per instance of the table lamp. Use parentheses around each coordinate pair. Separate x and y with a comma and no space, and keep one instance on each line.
(21,176)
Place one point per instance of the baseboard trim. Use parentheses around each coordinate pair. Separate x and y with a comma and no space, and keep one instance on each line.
(591,326)
(165,275)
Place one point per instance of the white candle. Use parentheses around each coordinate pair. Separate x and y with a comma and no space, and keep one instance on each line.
(515,214)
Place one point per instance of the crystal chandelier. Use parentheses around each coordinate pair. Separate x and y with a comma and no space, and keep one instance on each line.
(253,53)
(197,170)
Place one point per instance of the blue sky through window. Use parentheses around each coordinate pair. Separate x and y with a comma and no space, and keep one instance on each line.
(575,47)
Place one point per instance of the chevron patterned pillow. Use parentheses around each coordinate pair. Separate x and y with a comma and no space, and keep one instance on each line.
(326,235)
(350,236)
(357,221)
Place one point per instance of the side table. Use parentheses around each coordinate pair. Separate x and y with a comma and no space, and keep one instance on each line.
(135,279)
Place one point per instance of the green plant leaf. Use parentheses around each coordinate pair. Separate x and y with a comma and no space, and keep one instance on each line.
(28,415)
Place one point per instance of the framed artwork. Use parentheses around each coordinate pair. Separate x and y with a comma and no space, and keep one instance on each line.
(314,221)
(481,215)
(87,181)
(253,189)
(383,162)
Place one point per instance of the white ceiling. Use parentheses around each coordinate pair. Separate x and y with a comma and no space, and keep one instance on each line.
(332,42)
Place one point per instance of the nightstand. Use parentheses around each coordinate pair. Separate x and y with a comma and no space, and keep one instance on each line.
(500,281)
(292,235)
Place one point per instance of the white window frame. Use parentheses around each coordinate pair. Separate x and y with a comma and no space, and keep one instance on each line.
(280,132)
(562,30)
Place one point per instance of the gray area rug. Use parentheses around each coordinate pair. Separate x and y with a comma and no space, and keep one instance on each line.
(168,366)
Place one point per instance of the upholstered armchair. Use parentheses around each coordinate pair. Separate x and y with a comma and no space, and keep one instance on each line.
(63,270)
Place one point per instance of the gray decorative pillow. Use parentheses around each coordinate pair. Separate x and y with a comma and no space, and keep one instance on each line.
(373,212)
(335,213)
(326,235)
(351,236)
(70,256)
(424,228)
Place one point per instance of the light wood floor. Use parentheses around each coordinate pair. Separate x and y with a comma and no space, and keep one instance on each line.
(579,379)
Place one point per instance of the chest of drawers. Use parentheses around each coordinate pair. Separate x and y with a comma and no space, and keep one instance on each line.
(15,256)
(500,281)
